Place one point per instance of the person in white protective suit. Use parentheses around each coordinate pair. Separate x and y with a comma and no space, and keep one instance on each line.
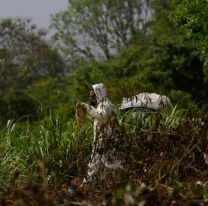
(106,131)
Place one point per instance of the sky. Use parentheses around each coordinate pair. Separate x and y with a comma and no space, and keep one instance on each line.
(38,10)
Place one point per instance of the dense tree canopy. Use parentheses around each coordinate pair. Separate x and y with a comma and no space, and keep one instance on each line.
(191,16)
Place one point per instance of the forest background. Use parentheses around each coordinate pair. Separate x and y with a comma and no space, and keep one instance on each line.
(131,46)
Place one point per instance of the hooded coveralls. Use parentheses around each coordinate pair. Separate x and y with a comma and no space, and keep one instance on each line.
(105,128)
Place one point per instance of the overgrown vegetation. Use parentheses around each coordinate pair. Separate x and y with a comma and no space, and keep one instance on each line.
(164,151)
(131,46)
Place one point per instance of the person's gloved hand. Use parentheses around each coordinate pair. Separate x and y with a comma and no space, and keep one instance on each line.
(84,105)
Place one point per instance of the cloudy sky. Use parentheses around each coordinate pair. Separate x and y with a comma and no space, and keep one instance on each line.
(38,10)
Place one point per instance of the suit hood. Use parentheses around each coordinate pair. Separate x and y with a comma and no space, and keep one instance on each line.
(100,92)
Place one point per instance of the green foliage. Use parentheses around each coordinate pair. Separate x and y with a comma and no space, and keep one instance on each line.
(25,58)
(163,61)
(157,58)
(184,100)
(59,147)
(171,60)
(17,104)
(167,152)
(166,54)
(191,16)
(145,119)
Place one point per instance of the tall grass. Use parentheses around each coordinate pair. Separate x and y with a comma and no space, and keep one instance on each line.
(60,148)
(156,147)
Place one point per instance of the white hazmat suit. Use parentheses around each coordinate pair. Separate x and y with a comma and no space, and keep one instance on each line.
(106,133)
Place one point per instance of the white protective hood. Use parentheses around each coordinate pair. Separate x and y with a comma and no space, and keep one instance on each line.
(100,92)
(146,100)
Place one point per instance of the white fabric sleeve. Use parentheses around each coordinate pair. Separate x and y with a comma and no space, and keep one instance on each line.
(99,114)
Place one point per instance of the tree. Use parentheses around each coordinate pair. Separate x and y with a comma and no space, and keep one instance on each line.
(171,62)
(98,29)
(25,57)
(191,17)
